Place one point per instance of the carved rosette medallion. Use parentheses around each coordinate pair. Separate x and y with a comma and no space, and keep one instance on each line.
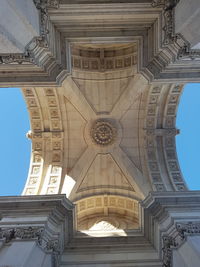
(103,132)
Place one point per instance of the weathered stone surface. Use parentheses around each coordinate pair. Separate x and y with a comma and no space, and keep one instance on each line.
(102,82)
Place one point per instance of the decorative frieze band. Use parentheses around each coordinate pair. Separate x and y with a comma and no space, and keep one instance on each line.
(115,63)
(37,234)
(30,233)
(103,59)
(21,233)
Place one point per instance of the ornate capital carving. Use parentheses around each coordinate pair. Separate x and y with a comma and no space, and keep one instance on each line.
(168,13)
(187,52)
(170,37)
(171,242)
(17,58)
(189,228)
(22,233)
(33,233)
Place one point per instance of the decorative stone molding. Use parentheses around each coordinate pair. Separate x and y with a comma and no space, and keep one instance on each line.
(104,59)
(98,205)
(30,233)
(187,52)
(17,58)
(38,142)
(166,132)
(43,141)
(45,221)
(168,13)
(103,132)
(168,244)
(189,228)
(36,43)
(43,4)
(41,55)
(22,233)
(172,242)
(151,142)
(170,155)
(170,37)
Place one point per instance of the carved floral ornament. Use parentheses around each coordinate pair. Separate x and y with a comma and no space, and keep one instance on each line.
(30,233)
(103,132)
(36,234)
(172,242)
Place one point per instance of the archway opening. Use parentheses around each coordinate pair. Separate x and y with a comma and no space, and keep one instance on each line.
(15,147)
(187,142)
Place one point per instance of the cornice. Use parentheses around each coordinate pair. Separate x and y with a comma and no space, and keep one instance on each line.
(169,218)
(174,49)
(171,242)
(40,202)
(38,55)
(159,61)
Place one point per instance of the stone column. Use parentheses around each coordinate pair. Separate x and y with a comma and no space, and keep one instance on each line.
(34,230)
(19,23)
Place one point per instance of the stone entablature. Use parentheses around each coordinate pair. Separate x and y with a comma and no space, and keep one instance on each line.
(170,218)
(47,58)
(168,221)
(42,225)
(172,242)
(104,57)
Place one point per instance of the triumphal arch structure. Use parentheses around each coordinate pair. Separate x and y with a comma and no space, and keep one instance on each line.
(102,81)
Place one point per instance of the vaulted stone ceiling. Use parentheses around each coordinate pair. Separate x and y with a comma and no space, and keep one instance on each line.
(102,84)
(105,132)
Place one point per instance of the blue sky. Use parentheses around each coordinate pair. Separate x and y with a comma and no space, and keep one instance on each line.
(15,147)
(188,141)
